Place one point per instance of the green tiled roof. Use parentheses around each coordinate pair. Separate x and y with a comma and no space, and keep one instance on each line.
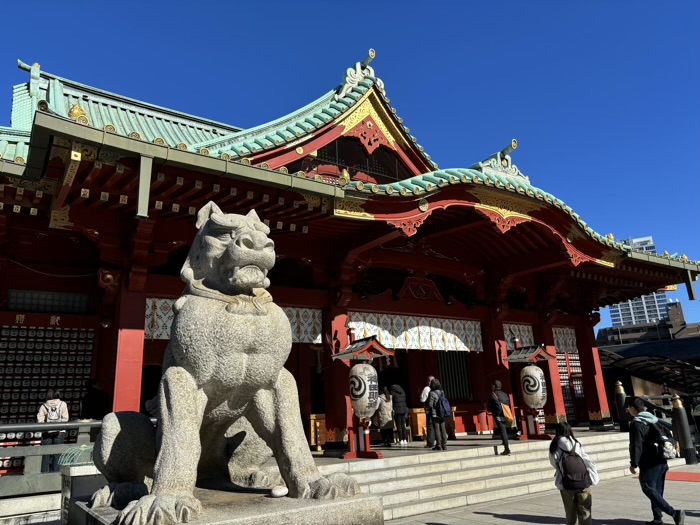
(14,145)
(120,115)
(430,183)
(129,117)
(300,124)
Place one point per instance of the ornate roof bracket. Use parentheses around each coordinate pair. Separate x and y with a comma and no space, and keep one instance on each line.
(501,218)
(409,226)
(355,75)
(500,163)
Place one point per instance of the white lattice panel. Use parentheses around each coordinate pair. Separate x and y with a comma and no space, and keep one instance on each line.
(306,322)
(418,333)
(523,332)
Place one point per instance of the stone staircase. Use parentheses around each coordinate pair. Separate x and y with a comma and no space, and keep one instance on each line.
(433,481)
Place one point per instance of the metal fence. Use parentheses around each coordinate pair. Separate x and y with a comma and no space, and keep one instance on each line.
(27,478)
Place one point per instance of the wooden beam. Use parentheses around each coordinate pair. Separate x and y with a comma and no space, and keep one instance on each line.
(68,177)
(689,285)
(532,262)
(145,173)
(452,231)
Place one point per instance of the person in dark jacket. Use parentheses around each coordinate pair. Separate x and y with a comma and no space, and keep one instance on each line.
(497,397)
(438,423)
(398,397)
(652,467)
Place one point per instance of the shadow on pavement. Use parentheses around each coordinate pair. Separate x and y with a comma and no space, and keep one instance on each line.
(532,518)
(527,518)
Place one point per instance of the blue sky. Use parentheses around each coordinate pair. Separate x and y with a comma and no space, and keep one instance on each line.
(603,96)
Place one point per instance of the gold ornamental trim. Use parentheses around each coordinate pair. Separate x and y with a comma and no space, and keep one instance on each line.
(47,186)
(79,115)
(504,213)
(71,168)
(60,219)
(511,203)
(370,106)
(350,209)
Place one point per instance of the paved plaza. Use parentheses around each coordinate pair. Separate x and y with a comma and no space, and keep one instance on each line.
(615,502)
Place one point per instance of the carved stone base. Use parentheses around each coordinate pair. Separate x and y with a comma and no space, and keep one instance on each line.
(228,508)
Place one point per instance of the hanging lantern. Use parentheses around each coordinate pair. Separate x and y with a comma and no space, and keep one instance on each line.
(364,389)
(533,386)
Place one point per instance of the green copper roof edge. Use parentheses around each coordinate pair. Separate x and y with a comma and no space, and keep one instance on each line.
(444,174)
(252,133)
(145,105)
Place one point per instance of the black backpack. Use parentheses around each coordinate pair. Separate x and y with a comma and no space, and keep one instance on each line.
(442,407)
(574,473)
(666,445)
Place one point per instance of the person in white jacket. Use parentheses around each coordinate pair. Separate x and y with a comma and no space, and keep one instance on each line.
(573,485)
(53,410)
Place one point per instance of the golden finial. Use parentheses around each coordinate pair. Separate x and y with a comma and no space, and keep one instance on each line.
(36,65)
(344,178)
(684,258)
(610,237)
(676,401)
(78,114)
(665,254)
(76,111)
(619,389)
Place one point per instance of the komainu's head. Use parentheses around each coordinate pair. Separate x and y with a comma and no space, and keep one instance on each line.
(231,254)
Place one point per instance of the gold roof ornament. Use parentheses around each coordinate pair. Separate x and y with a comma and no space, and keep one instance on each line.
(684,258)
(344,178)
(610,237)
(78,114)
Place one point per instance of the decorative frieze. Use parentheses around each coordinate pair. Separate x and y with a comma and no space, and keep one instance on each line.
(351,209)
(417,333)
(306,323)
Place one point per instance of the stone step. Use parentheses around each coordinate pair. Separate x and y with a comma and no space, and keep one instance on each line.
(414,489)
(456,494)
(458,468)
(521,449)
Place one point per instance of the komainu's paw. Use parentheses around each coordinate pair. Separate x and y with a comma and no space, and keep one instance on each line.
(254,478)
(334,486)
(346,485)
(165,509)
(118,495)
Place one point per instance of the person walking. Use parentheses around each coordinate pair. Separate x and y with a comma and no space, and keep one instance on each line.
(430,438)
(438,422)
(53,410)
(398,397)
(574,474)
(496,398)
(652,465)
(384,418)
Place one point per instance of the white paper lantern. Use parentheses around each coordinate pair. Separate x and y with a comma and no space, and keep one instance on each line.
(533,386)
(364,389)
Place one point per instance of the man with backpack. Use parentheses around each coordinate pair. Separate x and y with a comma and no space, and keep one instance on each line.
(440,410)
(499,405)
(647,453)
(53,410)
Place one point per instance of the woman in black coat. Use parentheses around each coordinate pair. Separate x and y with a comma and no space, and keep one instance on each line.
(400,412)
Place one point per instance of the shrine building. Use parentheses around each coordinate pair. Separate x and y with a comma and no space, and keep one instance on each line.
(465,273)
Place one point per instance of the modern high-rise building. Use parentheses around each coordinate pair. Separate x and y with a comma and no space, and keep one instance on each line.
(643,310)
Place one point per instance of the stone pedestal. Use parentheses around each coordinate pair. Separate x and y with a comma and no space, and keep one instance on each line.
(78,483)
(228,508)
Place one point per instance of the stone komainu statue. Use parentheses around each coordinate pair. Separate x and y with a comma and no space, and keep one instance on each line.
(225,398)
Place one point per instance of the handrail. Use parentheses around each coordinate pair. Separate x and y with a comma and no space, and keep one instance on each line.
(48,427)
